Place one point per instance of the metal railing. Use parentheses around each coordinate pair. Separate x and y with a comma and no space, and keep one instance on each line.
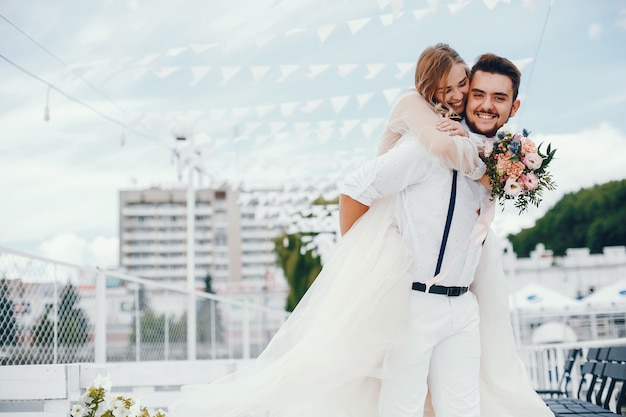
(54,312)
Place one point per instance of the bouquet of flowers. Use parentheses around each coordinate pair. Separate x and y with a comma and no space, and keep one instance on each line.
(97,402)
(517,168)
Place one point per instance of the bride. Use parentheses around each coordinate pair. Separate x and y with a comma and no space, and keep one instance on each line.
(328,358)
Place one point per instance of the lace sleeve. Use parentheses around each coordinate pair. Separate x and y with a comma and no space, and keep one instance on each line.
(414,116)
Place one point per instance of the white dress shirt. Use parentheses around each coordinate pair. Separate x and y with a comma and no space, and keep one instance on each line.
(423,185)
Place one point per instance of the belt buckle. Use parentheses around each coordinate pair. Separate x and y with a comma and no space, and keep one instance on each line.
(454,291)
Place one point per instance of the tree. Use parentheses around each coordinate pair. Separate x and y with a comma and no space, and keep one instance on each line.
(73,322)
(300,264)
(8,324)
(591,217)
(205,316)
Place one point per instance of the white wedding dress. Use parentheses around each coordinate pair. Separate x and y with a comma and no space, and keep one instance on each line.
(327,360)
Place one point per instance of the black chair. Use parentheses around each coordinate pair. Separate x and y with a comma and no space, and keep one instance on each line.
(563,388)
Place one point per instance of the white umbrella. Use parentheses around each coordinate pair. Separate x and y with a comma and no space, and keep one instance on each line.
(536,298)
(610,297)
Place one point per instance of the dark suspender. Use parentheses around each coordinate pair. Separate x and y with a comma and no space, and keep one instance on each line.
(446,230)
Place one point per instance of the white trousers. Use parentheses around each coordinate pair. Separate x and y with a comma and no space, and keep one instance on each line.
(442,353)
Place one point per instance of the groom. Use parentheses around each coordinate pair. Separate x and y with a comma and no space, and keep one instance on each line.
(442,352)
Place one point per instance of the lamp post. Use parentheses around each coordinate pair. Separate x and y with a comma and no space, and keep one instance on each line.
(182,131)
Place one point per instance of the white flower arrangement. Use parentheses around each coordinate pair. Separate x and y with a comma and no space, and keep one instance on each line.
(97,401)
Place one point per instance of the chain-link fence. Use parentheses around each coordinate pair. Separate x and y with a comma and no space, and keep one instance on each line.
(52,312)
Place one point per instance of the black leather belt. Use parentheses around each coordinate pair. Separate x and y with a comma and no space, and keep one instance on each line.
(440,289)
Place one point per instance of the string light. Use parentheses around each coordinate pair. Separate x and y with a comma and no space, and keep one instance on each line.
(46,113)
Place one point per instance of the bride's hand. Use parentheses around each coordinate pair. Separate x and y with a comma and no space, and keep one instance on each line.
(484,180)
(452,127)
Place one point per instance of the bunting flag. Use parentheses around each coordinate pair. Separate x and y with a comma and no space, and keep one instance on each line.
(198,74)
(286,71)
(165,72)
(176,51)
(200,48)
(287,109)
(346,69)
(325,31)
(263,110)
(228,73)
(339,103)
(373,70)
(363,99)
(315,70)
(358,24)
(458,5)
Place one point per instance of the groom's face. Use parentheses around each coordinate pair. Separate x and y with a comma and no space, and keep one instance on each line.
(490,102)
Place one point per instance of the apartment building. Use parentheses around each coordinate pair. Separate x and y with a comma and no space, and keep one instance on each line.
(234,232)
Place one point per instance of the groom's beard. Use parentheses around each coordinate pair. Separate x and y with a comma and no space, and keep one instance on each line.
(488,133)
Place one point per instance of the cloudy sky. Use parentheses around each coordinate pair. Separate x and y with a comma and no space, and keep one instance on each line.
(274,91)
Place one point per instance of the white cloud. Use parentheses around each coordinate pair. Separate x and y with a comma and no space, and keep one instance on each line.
(594,32)
(71,248)
(65,247)
(621,19)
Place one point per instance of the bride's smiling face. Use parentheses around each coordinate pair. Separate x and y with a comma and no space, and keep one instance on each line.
(455,89)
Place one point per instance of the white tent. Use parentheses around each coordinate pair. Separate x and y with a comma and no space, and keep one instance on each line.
(607,298)
(553,332)
(535,298)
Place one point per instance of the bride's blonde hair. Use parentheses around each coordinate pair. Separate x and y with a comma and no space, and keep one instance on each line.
(433,68)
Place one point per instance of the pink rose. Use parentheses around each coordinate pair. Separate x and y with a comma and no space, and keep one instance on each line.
(529,180)
(512,187)
(515,169)
(528,146)
(502,165)
(532,160)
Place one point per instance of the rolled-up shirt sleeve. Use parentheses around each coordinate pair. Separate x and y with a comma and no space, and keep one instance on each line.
(407,163)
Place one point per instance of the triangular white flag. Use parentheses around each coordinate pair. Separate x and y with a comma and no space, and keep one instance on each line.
(176,51)
(294,31)
(363,99)
(347,126)
(165,72)
(325,135)
(325,31)
(458,6)
(396,7)
(404,68)
(383,3)
(316,70)
(259,71)
(228,73)
(198,74)
(339,103)
(286,71)
(391,94)
(326,124)
(263,110)
(148,59)
(370,125)
(287,109)
(346,69)
(420,14)
(386,19)
(358,24)
(199,48)
(261,41)
(311,105)
(491,4)
(522,63)
(373,70)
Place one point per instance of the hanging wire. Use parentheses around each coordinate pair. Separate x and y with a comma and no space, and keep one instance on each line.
(60,61)
(535,58)
(74,99)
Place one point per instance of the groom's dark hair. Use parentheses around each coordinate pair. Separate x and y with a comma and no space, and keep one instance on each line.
(495,64)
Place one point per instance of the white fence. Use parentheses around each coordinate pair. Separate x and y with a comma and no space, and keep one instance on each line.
(52,312)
